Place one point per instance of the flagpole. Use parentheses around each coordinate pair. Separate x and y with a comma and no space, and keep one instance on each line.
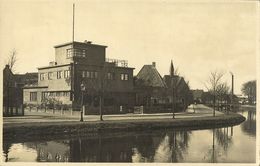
(73,21)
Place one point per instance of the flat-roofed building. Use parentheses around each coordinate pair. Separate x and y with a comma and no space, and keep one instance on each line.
(79,75)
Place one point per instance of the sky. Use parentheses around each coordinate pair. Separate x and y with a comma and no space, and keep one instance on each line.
(199,36)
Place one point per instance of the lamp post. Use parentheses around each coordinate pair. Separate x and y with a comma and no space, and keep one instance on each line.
(232,91)
(83,89)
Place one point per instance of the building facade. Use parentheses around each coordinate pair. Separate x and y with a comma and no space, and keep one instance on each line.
(80,74)
(13,90)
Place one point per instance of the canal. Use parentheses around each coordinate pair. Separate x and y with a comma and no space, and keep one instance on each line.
(233,144)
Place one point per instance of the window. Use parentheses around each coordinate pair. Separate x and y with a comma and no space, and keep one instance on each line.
(66,94)
(66,74)
(42,76)
(59,74)
(33,96)
(88,74)
(50,74)
(110,76)
(58,94)
(76,52)
(83,74)
(52,94)
(124,77)
(95,74)
(44,95)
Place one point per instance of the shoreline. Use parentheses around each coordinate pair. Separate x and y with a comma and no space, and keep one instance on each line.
(47,130)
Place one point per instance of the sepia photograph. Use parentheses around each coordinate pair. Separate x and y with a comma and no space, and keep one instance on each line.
(129,81)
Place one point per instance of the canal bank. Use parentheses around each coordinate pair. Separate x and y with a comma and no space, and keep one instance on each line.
(62,129)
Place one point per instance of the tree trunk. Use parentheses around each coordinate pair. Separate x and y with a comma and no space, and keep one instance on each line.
(101,107)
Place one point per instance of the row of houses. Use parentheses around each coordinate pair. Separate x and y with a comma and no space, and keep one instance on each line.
(82,75)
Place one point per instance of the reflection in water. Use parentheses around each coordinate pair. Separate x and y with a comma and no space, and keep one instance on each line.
(249,126)
(215,145)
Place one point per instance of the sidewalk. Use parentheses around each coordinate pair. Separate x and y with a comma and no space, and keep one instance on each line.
(193,111)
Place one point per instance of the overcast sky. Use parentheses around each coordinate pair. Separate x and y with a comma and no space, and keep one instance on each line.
(198,37)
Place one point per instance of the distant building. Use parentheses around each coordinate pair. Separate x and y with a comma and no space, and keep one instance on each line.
(156,93)
(79,75)
(13,90)
(197,95)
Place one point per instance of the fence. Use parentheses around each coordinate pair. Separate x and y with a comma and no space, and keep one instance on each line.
(13,111)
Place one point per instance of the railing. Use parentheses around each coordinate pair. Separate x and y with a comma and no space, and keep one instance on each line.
(117,62)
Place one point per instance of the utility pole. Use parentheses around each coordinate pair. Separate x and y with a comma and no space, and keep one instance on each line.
(173,88)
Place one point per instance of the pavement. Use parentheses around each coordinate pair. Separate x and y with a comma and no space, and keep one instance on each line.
(192,111)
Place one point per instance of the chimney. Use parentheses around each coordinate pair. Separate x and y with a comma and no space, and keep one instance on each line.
(87,42)
(154,64)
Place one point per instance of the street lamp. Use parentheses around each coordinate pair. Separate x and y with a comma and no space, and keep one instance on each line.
(83,89)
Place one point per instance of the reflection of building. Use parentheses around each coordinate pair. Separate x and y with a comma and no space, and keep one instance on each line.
(116,149)
(12,90)
(156,93)
(52,151)
(84,63)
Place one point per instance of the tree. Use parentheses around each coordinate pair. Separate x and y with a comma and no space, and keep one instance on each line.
(213,82)
(12,59)
(249,89)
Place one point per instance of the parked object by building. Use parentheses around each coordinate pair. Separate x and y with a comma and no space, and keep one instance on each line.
(109,81)
(13,90)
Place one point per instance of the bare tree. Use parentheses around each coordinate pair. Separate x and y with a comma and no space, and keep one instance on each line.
(222,91)
(101,84)
(213,82)
(12,59)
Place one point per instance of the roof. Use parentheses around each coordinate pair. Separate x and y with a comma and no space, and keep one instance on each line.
(34,87)
(47,67)
(69,43)
(168,80)
(197,93)
(150,76)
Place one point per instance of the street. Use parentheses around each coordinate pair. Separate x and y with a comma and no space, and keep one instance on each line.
(34,117)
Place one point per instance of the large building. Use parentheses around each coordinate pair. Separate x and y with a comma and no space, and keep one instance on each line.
(80,74)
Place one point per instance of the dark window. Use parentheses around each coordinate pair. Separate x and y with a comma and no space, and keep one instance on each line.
(33,96)
(59,74)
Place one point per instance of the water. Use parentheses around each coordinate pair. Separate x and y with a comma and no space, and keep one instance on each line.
(235,144)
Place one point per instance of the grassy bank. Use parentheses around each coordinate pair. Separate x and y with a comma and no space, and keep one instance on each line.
(45,131)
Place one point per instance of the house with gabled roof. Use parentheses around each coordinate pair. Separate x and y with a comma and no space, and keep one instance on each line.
(149,86)
(156,93)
